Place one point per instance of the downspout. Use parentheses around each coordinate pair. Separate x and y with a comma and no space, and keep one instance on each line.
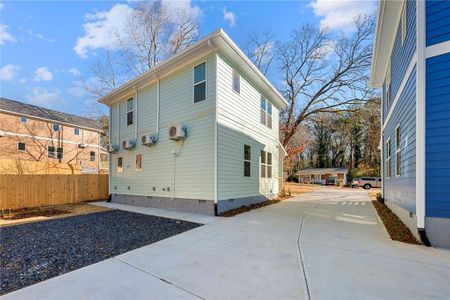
(420,122)
(136,110)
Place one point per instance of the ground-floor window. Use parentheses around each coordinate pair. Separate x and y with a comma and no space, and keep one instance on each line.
(138,162)
(388,158)
(247,160)
(21,146)
(266,164)
(119,164)
(397,151)
(55,152)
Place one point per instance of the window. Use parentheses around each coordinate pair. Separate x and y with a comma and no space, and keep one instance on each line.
(51,152)
(200,82)
(247,160)
(21,146)
(236,82)
(92,155)
(55,127)
(138,162)
(59,153)
(130,111)
(388,158)
(388,85)
(404,25)
(23,120)
(397,151)
(266,164)
(263,164)
(76,131)
(119,164)
(266,112)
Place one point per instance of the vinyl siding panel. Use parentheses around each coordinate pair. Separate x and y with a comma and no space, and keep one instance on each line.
(190,173)
(401,189)
(437,22)
(238,124)
(437,178)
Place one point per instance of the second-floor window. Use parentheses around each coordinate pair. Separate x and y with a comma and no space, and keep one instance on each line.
(266,112)
(55,127)
(388,158)
(236,81)
(200,82)
(130,108)
(23,120)
(92,155)
(397,151)
(21,146)
(76,131)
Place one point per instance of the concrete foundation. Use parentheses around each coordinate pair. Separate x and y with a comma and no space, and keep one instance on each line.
(407,217)
(224,205)
(438,231)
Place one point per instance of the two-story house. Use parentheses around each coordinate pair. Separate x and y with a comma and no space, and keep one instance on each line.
(411,62)
(199,132)
(36,140)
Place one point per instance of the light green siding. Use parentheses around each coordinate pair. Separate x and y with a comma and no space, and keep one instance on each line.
(238,117)
(190,174)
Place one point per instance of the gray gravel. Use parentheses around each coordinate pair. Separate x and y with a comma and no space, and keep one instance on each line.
(34,252)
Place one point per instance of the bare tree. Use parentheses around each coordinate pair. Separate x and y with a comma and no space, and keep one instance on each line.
(153,33)
(322,74)
(261,50)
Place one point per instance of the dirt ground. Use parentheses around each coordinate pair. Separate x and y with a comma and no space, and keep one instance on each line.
(299,188)
(49,213)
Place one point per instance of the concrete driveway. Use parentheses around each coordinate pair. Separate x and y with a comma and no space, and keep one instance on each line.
(322,245)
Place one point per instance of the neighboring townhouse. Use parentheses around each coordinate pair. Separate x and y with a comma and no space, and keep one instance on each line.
(411,62)
(48,141)
(199,132)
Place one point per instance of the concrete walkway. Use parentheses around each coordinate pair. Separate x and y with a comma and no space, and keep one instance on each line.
(322,245)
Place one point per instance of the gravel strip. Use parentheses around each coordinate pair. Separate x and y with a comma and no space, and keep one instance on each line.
(34,252)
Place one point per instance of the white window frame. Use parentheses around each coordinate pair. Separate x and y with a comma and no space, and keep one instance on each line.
(136,162)
(59,155)
(236,76)
(23,119)
(58,126)
(263,164)
(54,152)
(205,81)
(388,85)
(265,111)
(397,151)
(130,111)
(388,158)
(247,160)
(269,165)
(119,168)
(25,147)
(404,22)
(75,131)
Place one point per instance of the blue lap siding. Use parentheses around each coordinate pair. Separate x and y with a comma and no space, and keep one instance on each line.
(437,22)
(437,179)
(401,189)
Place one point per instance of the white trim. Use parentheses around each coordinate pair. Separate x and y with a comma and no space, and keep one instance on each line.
(437,49)
(216,139)
(128,111)
(205,81)
(45,138)
(157,105)
(401,87)
(136,110)
(420,116)
(398,145)
(388,157)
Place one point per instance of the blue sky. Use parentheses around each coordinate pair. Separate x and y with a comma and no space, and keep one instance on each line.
(46,46)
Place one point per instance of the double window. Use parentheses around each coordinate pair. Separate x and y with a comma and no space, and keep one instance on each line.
(200,82)
(138,162)
(92,155)
(130,108)
(388,158)
(119,164)
(21,146)
(266,164)
(55,152)
(266,113)
(397,151)
(247,160)
(236,82)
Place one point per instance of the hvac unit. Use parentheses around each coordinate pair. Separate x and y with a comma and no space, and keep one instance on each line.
(112,148)
(148,139)
(177,132)
(82,146)
(128,144)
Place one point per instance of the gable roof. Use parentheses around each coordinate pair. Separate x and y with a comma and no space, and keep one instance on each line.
(216,41)
(24,109)
(388,17)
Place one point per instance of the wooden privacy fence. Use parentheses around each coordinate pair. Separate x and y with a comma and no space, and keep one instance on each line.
(22,191)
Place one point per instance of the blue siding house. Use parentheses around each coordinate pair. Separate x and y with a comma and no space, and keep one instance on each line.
(411,63)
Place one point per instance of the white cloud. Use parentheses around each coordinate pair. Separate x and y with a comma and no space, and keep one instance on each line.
(75,72)
(340,14)
(42,74)
(182,6)
(101,28)
(8,72)
(23,80)
(45,98)
(1,6)
(5,36)
(229,17)
(39,36)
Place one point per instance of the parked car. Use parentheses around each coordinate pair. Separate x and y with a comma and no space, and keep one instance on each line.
(366,182)
(332,181)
